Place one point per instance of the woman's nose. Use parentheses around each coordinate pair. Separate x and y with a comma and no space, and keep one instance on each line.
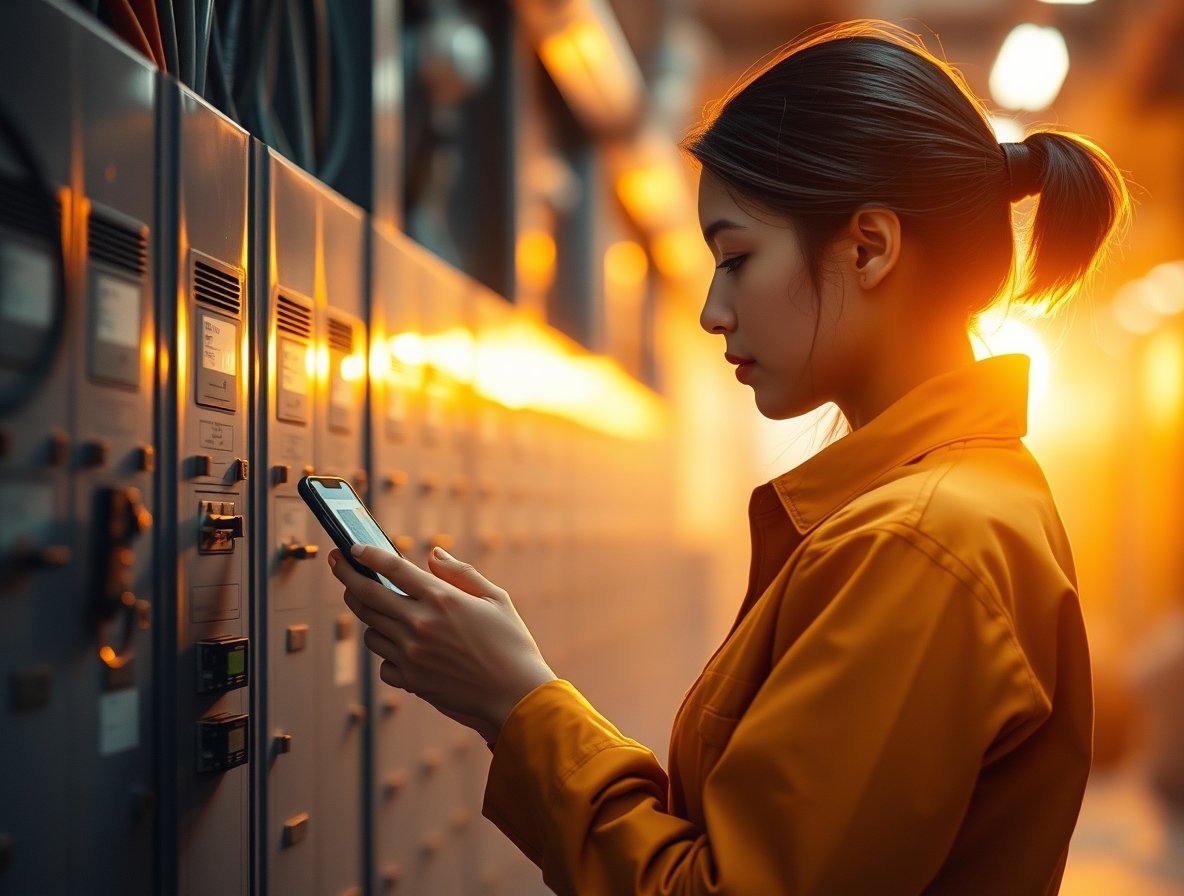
(716,316)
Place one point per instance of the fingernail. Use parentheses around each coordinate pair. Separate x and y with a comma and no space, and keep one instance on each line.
(357,549)
(442,554)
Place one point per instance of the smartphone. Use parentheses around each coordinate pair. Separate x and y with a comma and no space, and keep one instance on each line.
(339,509)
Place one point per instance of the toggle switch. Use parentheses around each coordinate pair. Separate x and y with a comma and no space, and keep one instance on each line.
(220,526)
(201,465)
(93,453)
(295,551)
(281,473)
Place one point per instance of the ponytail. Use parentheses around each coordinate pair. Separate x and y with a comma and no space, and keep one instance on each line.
(1082,203)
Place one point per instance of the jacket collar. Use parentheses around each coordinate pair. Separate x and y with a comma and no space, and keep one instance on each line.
(987,399)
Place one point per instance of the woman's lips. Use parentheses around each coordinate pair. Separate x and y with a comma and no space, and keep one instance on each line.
(743,366)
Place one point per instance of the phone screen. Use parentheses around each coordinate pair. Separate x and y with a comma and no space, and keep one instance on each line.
(351,515)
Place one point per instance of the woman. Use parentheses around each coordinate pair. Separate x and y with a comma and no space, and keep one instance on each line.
(903,704)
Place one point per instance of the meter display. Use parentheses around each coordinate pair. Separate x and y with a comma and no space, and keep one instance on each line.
(221,664)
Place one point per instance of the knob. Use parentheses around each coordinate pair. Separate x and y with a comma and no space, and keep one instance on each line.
(295,551)
(281,473)
(357,714)
(283,743)
(395,480)
(93,453)
(145,458)
(242,469)
(201,465)
(394,783)
(57,448)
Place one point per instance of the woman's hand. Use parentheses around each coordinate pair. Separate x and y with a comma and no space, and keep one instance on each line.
(456,640)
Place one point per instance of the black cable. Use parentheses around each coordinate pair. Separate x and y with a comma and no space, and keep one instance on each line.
(219,78)
(47,351)
(322,75)
(204,13)
(301,98)
(270,127)
(168,35)
(186,39)
(342,119)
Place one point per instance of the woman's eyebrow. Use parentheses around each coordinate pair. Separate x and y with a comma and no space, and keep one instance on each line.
(715,227)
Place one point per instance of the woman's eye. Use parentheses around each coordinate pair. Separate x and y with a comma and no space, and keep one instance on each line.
(731,265)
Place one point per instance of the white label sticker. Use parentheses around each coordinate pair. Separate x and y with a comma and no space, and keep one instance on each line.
(293,367)
(219,340)
(345,667)
(117,311)
(119,721)
(342,395)
(26,284)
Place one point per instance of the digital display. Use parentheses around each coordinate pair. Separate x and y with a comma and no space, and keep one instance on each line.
(356,520)
(236,739)
(236,662)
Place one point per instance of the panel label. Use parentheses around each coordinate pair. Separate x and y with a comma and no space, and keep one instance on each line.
(26,283)
(219,436)
(219,340)
(293,382)
(117,311)
(119,721)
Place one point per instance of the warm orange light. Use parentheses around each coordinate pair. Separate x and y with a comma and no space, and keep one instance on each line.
(353,368)
(535,257)
(625,266)
(601,85)
(322,356)
(679,254)
(650,193)
(1163,377)
(999,335)
(408,348)
(451,352)
(526,366)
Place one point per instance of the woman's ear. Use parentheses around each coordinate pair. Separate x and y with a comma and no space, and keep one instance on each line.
(875,235)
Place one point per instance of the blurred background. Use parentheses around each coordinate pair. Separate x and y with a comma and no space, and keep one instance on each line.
(448,249)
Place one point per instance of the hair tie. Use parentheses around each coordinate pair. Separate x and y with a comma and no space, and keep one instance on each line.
(1022,168)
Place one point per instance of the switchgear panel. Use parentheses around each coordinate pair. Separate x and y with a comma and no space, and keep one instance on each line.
(310,261)
(77,471)
(205,519)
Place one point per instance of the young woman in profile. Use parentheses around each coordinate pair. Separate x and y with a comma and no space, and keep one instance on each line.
(903,704)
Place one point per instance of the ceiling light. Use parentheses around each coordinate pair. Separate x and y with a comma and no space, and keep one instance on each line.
(1030,69)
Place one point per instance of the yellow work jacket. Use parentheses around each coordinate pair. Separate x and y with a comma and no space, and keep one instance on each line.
(902,706)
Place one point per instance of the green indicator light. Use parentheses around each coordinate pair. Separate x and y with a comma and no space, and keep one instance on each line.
(236,662)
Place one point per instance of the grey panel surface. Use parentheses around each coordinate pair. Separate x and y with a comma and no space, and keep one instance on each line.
(78,721)
(204,458)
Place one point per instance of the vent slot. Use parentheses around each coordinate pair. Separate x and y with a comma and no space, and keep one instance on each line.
(217,288)
(293,317)
(117,244)
(22,207)
(341,335)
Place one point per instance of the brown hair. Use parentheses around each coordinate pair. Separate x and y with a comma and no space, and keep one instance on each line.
(862,114)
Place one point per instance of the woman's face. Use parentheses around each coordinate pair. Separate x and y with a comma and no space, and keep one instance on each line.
(796,347)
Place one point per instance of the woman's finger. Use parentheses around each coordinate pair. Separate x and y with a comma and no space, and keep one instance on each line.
(392,675)
(392,627)
(462,575)
(415,582)
(380,645)
(366,590)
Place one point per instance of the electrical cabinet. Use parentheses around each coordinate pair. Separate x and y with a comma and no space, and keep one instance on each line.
(310,275)
(204,525)
(76,380)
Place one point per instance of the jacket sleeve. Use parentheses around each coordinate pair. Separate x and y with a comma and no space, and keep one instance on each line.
(849,772)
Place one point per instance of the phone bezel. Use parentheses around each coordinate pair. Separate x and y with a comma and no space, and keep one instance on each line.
(332,527)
